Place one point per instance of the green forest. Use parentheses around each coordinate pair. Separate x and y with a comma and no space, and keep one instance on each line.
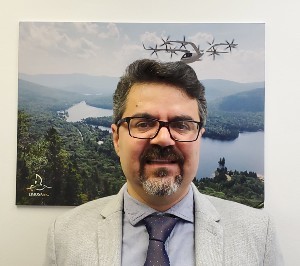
(243,187)
(70,163)
(68,157)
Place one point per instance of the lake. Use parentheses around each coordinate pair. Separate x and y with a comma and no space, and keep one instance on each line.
(82,110)
(244,153)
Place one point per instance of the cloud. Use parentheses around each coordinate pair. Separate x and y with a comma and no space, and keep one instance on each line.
(150,38)
(101,30)
(239,65)
(201,37)
(87,27)
(110,31)
(57,40)
(107,48)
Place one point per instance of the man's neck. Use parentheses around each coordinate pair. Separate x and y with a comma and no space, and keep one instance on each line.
(159,203)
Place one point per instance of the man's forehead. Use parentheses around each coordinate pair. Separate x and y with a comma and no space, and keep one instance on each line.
(157,98)
(146,88)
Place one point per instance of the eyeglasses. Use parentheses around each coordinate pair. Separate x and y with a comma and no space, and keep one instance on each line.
(148,128)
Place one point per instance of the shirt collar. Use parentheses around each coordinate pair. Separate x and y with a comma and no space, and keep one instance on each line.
(137,211)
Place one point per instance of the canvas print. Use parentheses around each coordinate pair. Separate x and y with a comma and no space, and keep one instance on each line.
(68,72)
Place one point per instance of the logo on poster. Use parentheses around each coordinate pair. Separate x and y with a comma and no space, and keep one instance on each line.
(38,189)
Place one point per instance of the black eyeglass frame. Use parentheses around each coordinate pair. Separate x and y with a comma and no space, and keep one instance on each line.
(161,124)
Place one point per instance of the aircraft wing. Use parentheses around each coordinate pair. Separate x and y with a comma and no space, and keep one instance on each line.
(197,50)
(154,49)
(176,50)
(213,47)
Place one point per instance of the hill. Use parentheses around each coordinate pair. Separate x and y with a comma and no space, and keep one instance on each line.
(102,85)
(36,97)
(78,83)
(219,88)
(249,101)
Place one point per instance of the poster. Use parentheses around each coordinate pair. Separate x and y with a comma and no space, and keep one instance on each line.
(67,75)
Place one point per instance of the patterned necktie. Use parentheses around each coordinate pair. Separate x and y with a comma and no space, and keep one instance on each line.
(159,229)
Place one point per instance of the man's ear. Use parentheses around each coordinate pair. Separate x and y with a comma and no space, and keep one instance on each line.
(202,131)
(115,137)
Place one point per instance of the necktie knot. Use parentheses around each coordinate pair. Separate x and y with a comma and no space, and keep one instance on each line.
(159,229)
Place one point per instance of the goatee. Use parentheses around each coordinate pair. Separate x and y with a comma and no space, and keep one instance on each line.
(161,185)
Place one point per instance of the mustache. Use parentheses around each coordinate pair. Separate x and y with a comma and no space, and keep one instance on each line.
(156,152)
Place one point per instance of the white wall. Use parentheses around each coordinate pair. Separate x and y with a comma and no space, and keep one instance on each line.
(23,229)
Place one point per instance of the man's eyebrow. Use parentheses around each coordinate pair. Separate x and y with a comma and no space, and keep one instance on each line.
(175,118)
(144,115)
(181,118)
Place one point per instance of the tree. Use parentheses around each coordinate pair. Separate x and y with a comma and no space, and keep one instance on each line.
(22,148)
(222,162)
(57,167)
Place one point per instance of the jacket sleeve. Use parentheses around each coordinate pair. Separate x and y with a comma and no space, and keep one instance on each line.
(50,257)
(273,256)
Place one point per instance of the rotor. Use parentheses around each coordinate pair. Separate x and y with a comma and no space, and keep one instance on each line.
(231,45)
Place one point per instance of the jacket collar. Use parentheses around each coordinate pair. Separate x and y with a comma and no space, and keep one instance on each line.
(110,231)
(208,231)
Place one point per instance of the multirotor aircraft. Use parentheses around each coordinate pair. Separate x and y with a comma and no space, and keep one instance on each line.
(191,56)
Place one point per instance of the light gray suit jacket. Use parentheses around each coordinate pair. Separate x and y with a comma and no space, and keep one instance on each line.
(226,233)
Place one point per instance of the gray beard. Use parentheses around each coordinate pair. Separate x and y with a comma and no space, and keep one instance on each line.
(161,186)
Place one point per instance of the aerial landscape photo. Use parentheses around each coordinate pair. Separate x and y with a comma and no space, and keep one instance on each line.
(68,72)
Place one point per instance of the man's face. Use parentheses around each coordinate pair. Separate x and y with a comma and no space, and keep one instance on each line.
(160,166)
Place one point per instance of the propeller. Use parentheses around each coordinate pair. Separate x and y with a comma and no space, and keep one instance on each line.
(154,50)
(183,43)
(231,45)
(213,52)
(211,43)
(173,52)
(165,42)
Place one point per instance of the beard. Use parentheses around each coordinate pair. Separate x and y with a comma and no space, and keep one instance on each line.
(162,185)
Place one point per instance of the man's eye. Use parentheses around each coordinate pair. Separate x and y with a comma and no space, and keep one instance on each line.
(145,124)
(142,124)
(182,125)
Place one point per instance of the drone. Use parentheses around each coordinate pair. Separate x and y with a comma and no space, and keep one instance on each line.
(190,56)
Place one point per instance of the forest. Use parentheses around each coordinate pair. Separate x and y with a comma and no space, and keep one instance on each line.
(243,187)
(75,160)
(70,163)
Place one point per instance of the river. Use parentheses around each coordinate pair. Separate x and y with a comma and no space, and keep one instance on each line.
(244,153)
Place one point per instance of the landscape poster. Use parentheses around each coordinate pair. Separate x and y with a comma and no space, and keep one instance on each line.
(68,72)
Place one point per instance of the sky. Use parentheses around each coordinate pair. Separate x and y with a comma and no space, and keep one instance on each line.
(105,49)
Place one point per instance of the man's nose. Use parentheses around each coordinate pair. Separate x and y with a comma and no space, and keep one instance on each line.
(163,138)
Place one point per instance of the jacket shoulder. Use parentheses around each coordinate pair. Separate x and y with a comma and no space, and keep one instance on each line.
(89,212)
(237,211)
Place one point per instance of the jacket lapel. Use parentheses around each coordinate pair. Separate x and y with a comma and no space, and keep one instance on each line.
(208,232)
(110,232)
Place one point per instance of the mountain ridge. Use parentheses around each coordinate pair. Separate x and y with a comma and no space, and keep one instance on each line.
(88,84)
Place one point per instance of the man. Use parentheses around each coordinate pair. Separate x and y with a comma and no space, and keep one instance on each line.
(159,117)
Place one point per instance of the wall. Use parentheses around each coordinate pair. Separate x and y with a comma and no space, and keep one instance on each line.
(23,229)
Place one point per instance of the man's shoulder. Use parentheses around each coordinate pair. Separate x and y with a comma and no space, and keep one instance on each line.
(226,209)
(233,212)
(90,212)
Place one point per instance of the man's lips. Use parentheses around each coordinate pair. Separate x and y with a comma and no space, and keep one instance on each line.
(161,161)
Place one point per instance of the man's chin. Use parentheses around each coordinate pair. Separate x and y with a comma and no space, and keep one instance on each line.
(161,186)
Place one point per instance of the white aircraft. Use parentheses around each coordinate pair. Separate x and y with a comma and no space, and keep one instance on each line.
(192,56)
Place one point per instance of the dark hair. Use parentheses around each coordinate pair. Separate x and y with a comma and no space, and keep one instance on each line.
(177,74)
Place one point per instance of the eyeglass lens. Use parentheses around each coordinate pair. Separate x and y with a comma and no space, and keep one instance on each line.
(145,128)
